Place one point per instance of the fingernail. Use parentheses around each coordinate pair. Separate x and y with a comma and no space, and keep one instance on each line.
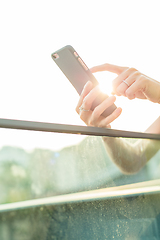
(118,110)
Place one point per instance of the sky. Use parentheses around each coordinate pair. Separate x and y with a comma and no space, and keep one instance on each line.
(33,88)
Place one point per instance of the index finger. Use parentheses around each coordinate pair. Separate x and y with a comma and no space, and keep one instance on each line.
(108,67)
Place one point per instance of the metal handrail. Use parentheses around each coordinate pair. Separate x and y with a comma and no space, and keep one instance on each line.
(73,129)
(130,190)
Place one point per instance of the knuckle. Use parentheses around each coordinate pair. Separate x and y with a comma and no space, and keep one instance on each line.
(133,69)
(141,79)
(136,74)
(86,105)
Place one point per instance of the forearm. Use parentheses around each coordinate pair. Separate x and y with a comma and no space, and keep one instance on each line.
(130,158)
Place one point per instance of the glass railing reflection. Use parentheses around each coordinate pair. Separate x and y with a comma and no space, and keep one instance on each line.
(40,164)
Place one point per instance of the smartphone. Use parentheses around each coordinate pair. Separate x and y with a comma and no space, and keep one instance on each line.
(77,72)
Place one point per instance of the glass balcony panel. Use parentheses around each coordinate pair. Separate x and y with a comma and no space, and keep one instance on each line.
(72,186)
(40,164)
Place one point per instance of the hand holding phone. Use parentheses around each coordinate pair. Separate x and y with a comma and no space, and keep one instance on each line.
(77,72)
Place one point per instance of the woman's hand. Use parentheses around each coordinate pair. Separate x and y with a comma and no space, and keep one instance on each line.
(94,118)
(131,83)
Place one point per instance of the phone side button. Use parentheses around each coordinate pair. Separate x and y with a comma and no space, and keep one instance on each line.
(75,54)
(83,64)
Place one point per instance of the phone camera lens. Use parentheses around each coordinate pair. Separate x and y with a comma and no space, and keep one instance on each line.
(55,56)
